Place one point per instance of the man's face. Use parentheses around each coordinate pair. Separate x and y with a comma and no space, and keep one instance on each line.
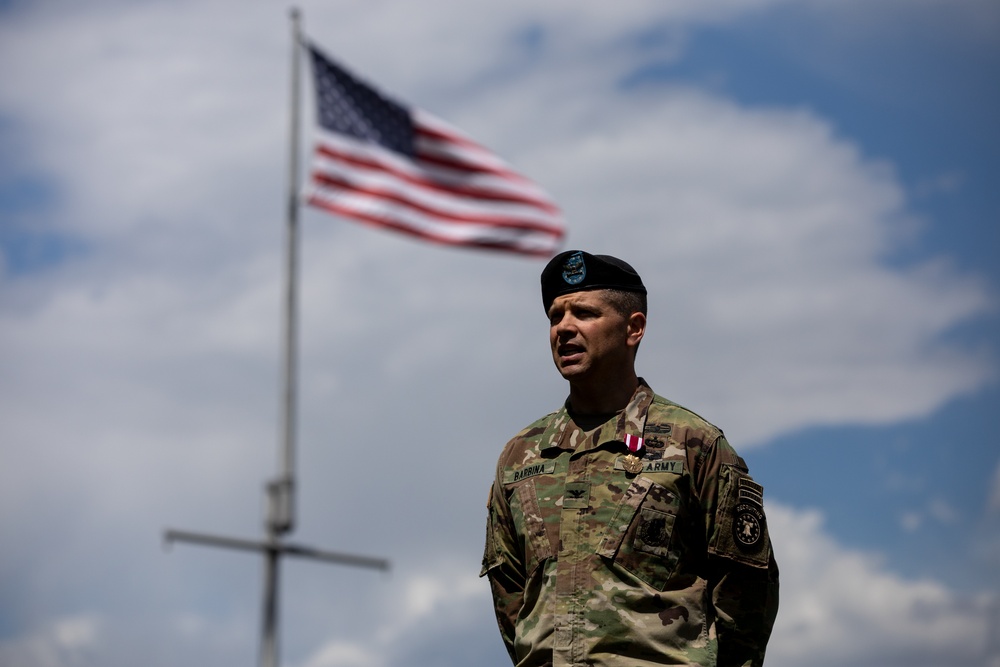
(588,337)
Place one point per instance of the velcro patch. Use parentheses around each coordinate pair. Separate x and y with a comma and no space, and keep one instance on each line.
(542,468)
(748,527)
(649,466)
(577,496)
(750,492)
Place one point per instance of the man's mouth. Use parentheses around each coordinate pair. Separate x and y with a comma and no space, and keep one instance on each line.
(569,351)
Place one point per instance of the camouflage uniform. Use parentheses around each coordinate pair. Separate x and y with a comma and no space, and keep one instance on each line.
(592,565)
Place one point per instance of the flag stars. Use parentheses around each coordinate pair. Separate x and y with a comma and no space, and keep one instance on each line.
(347,105)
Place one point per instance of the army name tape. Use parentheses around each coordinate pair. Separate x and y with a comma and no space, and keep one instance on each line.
(676,467)
(545,468)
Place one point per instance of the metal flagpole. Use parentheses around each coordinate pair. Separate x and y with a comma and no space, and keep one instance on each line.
(281,490)
(282,518)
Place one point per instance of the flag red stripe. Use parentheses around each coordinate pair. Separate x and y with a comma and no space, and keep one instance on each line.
(492,220)
(441,135)
(470,192)
(461,155)
(379,221)
(457,165)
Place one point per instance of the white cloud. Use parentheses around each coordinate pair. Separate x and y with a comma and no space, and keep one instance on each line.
(942,510)
(938,509)
(993,504)
(763,236)
(842,606)
(911,521)
(429,607)
(64,642)
(796,221)
(343,654)
(140,383)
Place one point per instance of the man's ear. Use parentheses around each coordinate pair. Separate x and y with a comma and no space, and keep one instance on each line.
(636,328)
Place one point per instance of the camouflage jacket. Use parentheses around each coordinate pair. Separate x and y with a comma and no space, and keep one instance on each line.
(590,564)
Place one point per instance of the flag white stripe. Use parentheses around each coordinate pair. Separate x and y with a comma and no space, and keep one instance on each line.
(472,155)
(443,202)
(386,213)
(394,162)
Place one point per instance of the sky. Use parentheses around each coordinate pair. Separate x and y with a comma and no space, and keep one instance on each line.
(806,187)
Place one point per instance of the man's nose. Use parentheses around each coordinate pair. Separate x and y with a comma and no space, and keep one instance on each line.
(565,327)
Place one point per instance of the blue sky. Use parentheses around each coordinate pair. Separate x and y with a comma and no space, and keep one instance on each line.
(806,186)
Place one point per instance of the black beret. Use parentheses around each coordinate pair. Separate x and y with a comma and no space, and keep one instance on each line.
(576,271)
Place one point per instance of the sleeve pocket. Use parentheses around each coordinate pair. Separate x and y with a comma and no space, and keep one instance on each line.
(740,525)
(491,555)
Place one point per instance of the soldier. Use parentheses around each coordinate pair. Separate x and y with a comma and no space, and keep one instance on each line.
(623,529)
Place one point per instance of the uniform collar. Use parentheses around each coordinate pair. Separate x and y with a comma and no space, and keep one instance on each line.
(563,433)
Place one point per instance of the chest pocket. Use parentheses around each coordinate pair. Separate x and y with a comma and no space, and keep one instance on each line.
(640,537)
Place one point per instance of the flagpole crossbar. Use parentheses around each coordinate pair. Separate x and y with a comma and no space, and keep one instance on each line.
(273,547)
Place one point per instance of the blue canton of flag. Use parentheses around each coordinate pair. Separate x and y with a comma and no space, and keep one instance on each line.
(382,163)
(347,106)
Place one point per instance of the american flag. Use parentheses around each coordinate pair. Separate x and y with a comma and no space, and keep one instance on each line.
(382,163)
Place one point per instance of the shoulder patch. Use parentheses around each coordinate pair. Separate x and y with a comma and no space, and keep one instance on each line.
(748,528)
(741,527)
(748,516)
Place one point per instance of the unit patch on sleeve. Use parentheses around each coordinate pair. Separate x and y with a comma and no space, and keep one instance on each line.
(748,517)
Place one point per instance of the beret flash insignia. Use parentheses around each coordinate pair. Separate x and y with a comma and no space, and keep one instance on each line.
(574,269)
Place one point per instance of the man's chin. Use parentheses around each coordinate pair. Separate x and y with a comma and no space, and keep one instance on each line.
(570,371)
